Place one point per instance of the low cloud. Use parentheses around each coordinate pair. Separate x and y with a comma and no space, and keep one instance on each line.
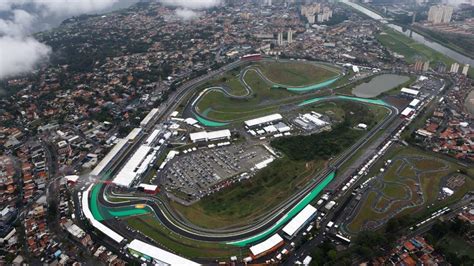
(20,55)
(186,14)
(18,24)
(72,7)
(57,7)
(187,9)
(192,4)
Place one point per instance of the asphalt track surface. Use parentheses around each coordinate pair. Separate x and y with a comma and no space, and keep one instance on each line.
(171,220)
(165,214)
(191,107)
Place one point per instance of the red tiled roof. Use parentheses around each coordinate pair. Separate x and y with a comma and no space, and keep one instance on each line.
(409,261)
(409,246)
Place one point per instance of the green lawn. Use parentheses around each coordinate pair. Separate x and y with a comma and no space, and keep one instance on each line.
(150,226)
(240,203)
(234,84)
(412,49)
(394,191)
(333,109)
(243,202)
(463,44)
(215,105)
(430,185)
(297,73)
(408,47)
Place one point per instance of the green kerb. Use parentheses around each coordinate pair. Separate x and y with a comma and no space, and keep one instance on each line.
(313,87)
(124,213)
(209,123)
(295,210)
(94,204)
(371,101)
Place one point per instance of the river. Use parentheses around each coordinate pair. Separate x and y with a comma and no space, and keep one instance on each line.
(415,36)
(378,85)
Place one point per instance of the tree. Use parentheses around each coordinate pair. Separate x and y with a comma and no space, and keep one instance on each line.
(370,244)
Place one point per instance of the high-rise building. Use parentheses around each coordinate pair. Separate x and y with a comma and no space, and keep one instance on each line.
(426,66)
(440,14)
(280,38)
(266,2)
(440,67)
(310,9)
(435,14)
(418,65)
(454,68)
(311,19)
(465,69)
(319,18)
(290,36)
(447,14)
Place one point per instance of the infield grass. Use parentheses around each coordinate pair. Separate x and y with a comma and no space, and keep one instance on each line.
(430,184)
(194,249)
(297,73)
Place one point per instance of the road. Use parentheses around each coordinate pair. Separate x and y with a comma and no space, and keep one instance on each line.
(340,211)
(176,223)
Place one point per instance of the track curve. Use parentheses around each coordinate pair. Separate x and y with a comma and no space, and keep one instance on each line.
(165,214)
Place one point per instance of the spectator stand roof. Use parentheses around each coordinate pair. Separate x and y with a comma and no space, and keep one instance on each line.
(159,254)
(263,120)
(266,245)
(299,220)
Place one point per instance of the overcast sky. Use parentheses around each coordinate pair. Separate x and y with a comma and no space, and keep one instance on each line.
(21,53)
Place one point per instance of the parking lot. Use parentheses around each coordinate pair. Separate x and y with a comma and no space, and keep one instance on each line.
(196,174)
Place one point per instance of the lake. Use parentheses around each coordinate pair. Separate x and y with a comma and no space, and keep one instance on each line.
(378,85)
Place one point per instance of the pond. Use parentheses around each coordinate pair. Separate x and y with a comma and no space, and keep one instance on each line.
(378,85)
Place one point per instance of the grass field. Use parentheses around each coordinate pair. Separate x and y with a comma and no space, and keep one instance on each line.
(463,44)
(243,202)
(338,110)
(239,204)
(411,49)
(296,73)
(151,227)
(230,80)
(398,185)
(215,105)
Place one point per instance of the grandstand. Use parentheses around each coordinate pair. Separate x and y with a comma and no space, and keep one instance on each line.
(158,255)
(210,136)
(267,246)
(149,118)
(263,120)
(299,221)
(108,158)
(135,166)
